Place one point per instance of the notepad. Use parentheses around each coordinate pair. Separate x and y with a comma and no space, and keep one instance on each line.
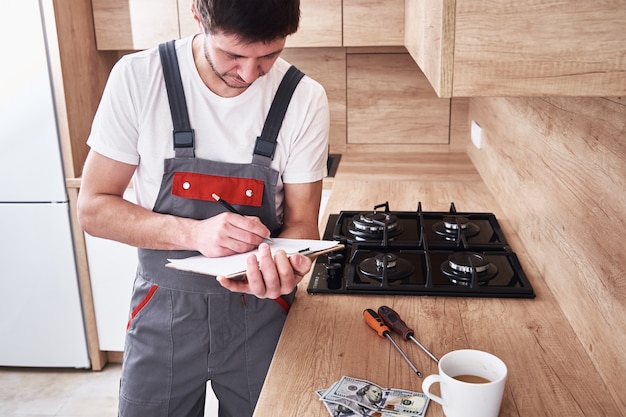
(234,266)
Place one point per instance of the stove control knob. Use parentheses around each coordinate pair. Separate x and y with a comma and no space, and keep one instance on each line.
(336,258)
(334,275)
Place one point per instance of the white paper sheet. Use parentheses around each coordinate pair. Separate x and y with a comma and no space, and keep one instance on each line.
(235,265)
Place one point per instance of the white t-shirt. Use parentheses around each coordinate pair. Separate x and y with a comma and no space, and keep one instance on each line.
(133,122)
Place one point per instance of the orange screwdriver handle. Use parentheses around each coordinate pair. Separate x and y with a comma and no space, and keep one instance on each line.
(375,322)
(393,320)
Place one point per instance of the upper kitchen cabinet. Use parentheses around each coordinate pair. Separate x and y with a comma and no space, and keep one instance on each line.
(320,25)
(142,24)
(373,23)
(524,48)
(134,24)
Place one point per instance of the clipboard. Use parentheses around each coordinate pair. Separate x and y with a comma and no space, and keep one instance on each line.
(231,266)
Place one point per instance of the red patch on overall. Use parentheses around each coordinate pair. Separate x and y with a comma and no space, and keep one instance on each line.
(239,191)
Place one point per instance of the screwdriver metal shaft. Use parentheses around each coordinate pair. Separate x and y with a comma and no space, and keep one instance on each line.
(376,323)
(433,357)
(403,355)
(393,320)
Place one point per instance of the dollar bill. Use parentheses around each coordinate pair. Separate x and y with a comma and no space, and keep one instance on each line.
(407,403)
(364,398)
(364,393)
(337,410)
(341,406)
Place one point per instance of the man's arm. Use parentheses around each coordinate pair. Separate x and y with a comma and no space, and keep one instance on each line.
(301,211)
(103,212)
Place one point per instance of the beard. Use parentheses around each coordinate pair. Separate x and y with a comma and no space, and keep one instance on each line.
(239,83)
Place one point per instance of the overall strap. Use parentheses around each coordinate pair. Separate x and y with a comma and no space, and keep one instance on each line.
(266,143)
(183,133)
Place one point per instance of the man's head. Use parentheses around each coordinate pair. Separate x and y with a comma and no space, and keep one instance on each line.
(252,21)
(373,393)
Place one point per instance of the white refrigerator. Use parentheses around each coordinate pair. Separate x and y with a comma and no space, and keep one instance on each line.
(41,320)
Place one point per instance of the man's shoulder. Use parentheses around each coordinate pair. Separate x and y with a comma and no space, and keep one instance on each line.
(150,57)
(282,66)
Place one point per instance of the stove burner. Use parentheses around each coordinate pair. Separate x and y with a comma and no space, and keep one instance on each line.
(396,268)
(451,222)
(461,266)
(449,227)
(372,225)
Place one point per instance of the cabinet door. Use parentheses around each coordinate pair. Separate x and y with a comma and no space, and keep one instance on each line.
(373,23)
(540,48)
(524,48)
(320,24)
(134,24)
(391,102)
(429,38)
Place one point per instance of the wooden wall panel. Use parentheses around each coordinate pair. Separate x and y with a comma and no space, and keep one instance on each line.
(82,72)
(557,167)
(391,101)
(328,67)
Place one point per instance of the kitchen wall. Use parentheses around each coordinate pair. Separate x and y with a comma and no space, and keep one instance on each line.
(557,167)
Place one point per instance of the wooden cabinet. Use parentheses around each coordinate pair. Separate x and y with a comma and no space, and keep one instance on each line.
(134,24)
(320,25)
(391,102)
(373,23)
(141,24)
(486,48)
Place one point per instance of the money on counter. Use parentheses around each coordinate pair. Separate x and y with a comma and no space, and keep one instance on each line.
(356,397)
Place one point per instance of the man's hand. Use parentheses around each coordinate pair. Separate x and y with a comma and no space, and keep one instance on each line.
(229,233)
(268,277)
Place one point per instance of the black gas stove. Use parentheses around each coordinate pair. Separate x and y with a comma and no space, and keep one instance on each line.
(419,253)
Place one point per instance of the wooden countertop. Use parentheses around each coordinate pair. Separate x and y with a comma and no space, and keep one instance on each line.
(325,336)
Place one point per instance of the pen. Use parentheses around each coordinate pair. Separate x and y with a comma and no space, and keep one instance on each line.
(226,204)
(230,208)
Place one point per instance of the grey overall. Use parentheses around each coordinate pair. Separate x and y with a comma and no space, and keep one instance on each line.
(185,328)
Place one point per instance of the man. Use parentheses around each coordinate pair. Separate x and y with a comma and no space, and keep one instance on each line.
(371,394)
(184,328)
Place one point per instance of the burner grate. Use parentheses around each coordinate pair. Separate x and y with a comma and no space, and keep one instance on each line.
(407,256)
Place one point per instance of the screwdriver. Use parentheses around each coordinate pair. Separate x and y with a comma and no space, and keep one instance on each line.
(375,322)
(393,320)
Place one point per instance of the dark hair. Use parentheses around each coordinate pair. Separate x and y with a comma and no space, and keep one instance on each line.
(251,20)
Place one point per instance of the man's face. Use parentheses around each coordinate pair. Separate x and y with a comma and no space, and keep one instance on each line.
(374,394)
(239,64)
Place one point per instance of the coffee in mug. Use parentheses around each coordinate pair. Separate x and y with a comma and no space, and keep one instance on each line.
(471,383)
(472,379)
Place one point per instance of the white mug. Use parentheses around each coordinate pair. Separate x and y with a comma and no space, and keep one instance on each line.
(468,399)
